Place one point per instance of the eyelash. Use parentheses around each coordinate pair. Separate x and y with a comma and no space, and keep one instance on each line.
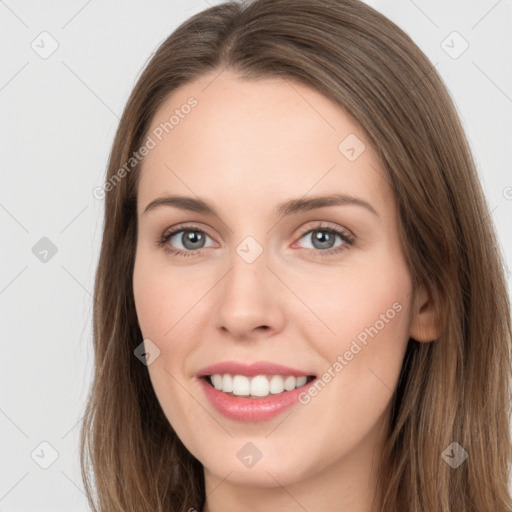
(348,239)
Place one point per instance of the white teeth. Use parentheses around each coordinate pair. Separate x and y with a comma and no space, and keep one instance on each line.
(241,385)
(289,383)
(301,381)
(217,381)
(227,383)
(276,384)
(258,386)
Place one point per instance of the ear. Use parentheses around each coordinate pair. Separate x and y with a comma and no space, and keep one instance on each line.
(425,324)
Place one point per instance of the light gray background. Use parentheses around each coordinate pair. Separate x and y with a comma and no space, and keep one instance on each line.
(58,119)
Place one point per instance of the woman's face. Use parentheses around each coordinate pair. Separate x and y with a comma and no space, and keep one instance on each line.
(276,275)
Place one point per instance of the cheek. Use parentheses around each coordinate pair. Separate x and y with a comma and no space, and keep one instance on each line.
(162,305)
(162,302)
(167,304)
(363,315)
(362,339)
(161,298)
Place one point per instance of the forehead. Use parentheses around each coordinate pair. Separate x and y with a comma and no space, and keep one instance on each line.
(238,140)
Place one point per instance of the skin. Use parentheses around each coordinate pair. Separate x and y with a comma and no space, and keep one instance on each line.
(245,147)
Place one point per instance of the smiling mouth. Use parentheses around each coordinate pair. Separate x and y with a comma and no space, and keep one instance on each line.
(259,386)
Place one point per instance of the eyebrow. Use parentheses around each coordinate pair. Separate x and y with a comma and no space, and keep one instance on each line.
(292,206)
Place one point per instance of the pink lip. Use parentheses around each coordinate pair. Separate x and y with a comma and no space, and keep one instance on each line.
(250,370)
(248,409)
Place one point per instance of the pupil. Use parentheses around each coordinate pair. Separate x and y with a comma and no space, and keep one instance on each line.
(324,238)
(192,238)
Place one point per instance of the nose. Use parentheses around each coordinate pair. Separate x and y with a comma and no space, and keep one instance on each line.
(250,300)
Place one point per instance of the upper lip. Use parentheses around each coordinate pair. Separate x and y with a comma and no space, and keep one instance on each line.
(252,369)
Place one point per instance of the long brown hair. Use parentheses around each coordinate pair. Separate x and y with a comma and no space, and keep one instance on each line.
(455,389)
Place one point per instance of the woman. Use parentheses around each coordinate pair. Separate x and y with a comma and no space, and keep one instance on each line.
(237,368)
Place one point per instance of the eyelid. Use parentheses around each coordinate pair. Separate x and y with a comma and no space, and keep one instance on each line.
(186,227)
(310,226)
(322,224)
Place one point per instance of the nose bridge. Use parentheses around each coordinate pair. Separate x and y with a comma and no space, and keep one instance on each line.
(249,275)
(247,297)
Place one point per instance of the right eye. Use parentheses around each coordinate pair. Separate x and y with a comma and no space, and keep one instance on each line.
(183,241)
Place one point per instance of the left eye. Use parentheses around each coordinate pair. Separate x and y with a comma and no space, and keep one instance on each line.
(323,239)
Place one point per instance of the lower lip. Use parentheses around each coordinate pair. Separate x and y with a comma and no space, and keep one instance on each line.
(248,409)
